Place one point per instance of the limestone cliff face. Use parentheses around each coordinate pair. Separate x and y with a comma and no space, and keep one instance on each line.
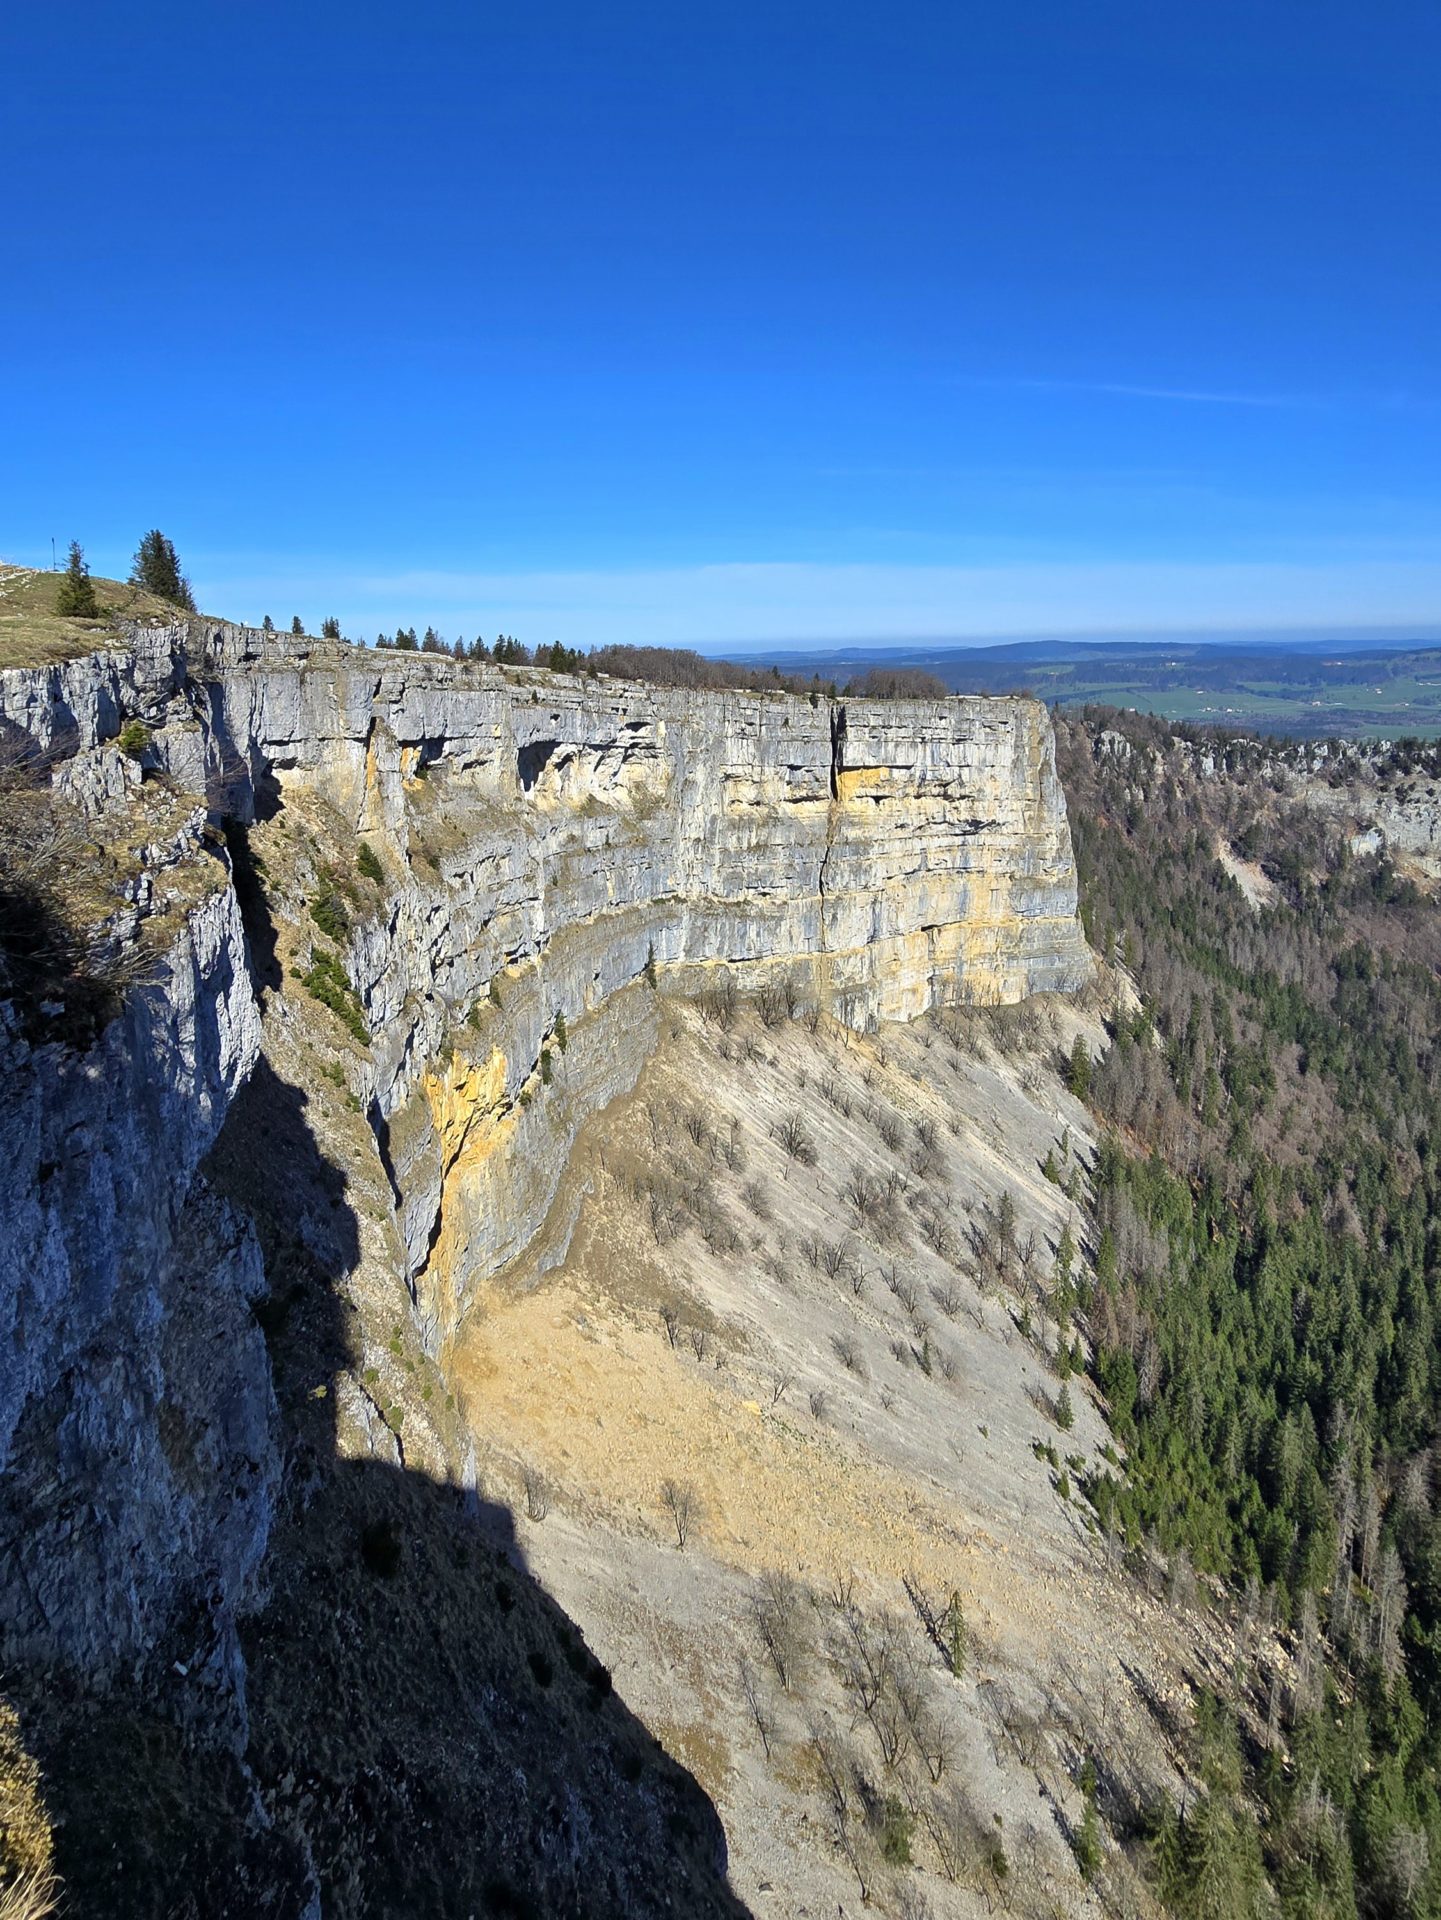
(553,836)
(545,839)
(137,1463)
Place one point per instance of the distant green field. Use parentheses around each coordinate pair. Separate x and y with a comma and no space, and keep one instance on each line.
(1275,690)
(1282,685)
(1404,705)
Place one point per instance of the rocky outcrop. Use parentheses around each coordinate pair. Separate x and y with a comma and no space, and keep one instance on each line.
(1384,795)
(550,843)
(137,1464)
(552,849)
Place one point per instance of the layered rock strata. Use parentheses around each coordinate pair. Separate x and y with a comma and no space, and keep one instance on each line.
(551,842)
(553,849)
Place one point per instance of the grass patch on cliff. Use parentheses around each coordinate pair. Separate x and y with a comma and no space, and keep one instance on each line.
(33,633)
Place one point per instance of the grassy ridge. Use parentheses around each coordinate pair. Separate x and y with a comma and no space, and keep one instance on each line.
(34,634)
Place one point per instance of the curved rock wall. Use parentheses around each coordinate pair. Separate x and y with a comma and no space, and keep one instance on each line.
(555,837)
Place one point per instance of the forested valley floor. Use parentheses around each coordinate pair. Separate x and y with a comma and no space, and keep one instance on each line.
(1264,1308)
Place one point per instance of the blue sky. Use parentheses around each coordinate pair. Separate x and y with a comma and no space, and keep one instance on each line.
(733,325)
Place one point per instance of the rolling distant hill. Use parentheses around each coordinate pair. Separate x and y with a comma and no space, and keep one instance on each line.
(1302,684)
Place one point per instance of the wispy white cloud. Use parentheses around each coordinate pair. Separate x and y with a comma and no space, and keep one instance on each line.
(763,603)
(1388,400)
(1194,396)
(1140,390)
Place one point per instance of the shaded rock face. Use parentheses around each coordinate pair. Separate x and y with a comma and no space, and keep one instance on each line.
(137,1458)
(549,845)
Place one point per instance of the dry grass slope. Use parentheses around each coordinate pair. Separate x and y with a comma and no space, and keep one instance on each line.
(811,1296)
(28,1888)
(33,634)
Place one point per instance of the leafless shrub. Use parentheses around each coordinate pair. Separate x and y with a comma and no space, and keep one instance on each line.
(837,1257)
(888,1126)
(888,1399)
(733,1148)
(860,1191)
(820,1403)
(843,1589)
(926,1134)
(670,1314)
(537,1493)
(931,1733)
(755,1703)
(901,1350)
(771,1005)
(948,1299)
(699,1340)
(857,1278)
(776,1609)
(838,1772)
(719,1000)
(955,1830)
(902,1286)
(780,1386)
(1025,1730)
(908,1902)
(716,1229)
(876,1204)
(696,1125)
(682,1502)
(848,1352)
(757,1197)
(665,1211)
(776,1267)
(863,1652)
(938,1235)
(796,1141)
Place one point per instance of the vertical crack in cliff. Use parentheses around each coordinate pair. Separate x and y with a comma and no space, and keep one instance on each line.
(838,754)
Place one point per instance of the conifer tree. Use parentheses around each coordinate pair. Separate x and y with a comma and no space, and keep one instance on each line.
(77,590)
(295,626)
(157,570)
(330,629)
(267,625)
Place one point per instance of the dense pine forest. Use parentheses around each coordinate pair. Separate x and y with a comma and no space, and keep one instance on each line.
(1265,1308)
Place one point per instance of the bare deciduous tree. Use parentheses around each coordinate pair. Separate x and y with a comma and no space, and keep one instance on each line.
(683,1503)
(755,1703)
(537,1493)
(776,1609)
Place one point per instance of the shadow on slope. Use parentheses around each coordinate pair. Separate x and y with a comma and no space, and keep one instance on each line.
(428,1733)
